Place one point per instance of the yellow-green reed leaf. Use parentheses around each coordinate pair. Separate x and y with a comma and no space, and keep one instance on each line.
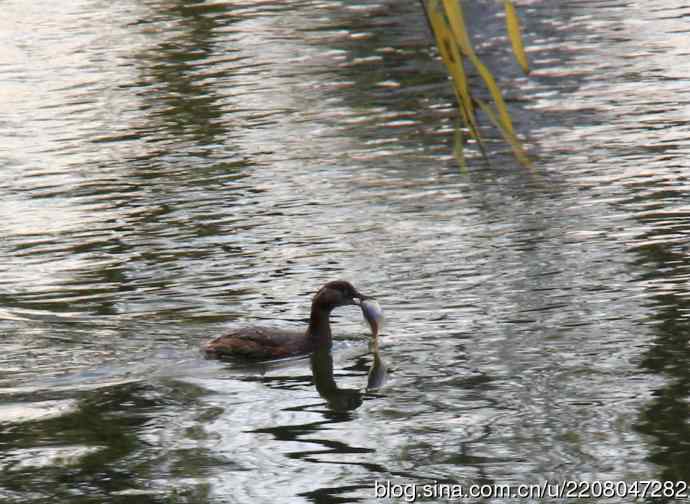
(474,129)
(459,148)
(490,82)
(457,71)
(454,45)
(448,44)
(439,29)
(454,61)
(457,25)
(509,136)
(513,28)
(444,41)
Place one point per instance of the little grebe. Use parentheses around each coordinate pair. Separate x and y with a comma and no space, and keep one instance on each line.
(271,343)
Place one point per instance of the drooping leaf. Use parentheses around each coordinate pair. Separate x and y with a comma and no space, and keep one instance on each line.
(456,20)
(513,29)
(459,148)
(447,22)
(457,25)
(509,136)
(452,57)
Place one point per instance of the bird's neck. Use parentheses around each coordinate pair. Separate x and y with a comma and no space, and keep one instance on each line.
(319,331)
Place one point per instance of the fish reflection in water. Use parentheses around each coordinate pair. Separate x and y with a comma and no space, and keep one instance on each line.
(378,371)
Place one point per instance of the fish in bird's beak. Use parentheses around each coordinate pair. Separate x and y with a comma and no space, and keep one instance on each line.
(358,298)
(373,314)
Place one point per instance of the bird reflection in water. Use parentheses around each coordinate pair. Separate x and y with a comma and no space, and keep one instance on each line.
(345,399)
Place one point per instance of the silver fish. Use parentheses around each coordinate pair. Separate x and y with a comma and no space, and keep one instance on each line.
(373,314)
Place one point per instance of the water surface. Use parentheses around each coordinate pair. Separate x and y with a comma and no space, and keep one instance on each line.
(173,169)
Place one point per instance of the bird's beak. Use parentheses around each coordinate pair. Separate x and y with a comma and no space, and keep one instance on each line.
(357,300)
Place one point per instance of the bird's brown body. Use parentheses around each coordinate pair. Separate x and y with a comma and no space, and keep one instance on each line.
(260,343)
(271,343)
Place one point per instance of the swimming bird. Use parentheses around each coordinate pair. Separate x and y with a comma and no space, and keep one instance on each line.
(271,343)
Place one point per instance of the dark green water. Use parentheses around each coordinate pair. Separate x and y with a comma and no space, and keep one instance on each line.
(172,169)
